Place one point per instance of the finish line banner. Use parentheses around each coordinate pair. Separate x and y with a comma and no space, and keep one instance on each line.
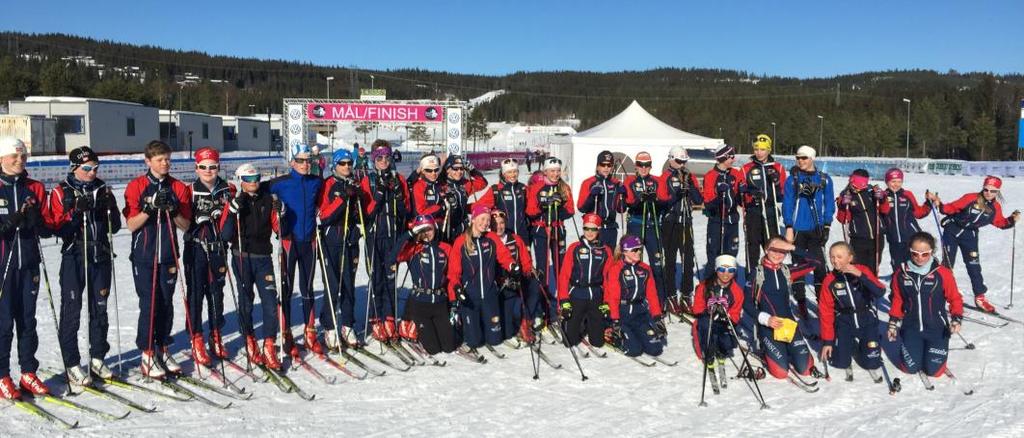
(375,112)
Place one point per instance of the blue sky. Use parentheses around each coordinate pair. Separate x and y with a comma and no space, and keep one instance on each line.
(790,38)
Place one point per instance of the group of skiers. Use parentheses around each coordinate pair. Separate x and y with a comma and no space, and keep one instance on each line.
(490,268)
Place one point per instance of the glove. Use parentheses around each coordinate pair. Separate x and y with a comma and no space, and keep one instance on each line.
(566,310)
(84,203)
(515,270)
(597,191)
(879,193)
(604,309)
(240,203)
(722,187)
(756,193)
(846,199)
(149,206)
(278,206)
(808,189)
(468,165)
(392,270)
(648,196)
(33,217)
(13,221)
(660,331)
(613,333)
(215,214)
(557,198)
(165,201)
(460,294)
(894,327)
(105,201)
(451,198)
(828,229)
(772,174)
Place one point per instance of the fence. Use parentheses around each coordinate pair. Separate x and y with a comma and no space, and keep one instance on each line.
(877,166)
(121,171)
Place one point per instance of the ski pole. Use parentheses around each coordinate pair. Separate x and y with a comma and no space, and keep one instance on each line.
(704,363)
(49,295)
(1013,264)
(534,362)
(967,345)
(240,267)
(181,285)
(746,363)
(282,259)
(893,384)
(942,240)
(113,273)
(330,297)
(565,341)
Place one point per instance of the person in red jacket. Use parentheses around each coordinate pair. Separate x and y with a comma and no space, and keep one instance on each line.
(476,256)
(900,212)
(722,203)
(548,203)
(427,308)
(849,325)
(581,285)
(509,196)
(921,291)
(858,209)
(427,191)
(717,304)
(763,181)
(633,304)
(513,289)
(22,222)
(154,203)
(604,195)
(964,217)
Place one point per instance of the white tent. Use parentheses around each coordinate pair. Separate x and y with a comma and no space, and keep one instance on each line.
(631,131)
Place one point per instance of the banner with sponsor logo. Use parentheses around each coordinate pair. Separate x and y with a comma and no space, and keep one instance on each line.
(402,113)
(453,131)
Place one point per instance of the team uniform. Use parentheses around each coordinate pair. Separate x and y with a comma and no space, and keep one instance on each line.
(428,303)
(547,206)
(633,306)
(338,205)
(847,318)
(473,269)
(581,284)
(900,212)
(919,303)
(964,217)
(205,261)
(386,214)
(859,211)
(721,200)
(770,297)
(763,184)
(604,197)
(681,191)
(644,220)
(513,288)
(715,306)
(510,198)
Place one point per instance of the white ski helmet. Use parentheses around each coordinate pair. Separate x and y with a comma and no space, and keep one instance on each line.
(678,153)
(10,145)
(246,169)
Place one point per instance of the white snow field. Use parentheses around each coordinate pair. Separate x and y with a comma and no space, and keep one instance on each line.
(621,398)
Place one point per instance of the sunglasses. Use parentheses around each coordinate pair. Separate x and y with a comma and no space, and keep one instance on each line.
(509,161)
(802,158)
(604,165)
(301,160)
(89,168)
(724,269)
(594,229)
(647,164)
(250,178)
(993,191)
(678,161)
(777,250)
(457,169)
(382,158)
(344,163)
(920,253)
(633,250)
(207,167)
(434,170)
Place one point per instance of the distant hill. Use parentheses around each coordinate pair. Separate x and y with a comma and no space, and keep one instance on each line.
(953,114)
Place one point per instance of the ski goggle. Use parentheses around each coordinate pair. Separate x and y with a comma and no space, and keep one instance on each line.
(207,166)
(920,253)
(345,163)
(643,164)
(993,191)
(592,229)
(724,269)
(301,160)
(89,168)
(633,250)
(434,170)
(250,178)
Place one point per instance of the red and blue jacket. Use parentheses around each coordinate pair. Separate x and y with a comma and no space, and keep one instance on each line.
(771,293)
(428,267)
(846,299)
(581,275)
(511,199)
(768,177)
(734,295)
(860,213)
(539,205)
(681,191)
(900,213)
(641,212)
(150,236)
(338,196)
(628,288)
(19,248)
(721,205)
(257,221)
(920,300)
(386,210)
(602,195)
(966,214)
(91,229)
(476,270)
(208,200)
(299,193)
(517,247)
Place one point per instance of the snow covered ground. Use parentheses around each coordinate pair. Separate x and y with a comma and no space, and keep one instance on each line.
(621,398)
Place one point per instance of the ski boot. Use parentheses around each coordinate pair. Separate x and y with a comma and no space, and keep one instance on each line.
(8,390)
(252,351)
(270,355)
(199,354)
(723,378)
(289,345)
(78,376)
(312,344)
(31,383)
(99,369)
(526,335)
(169,364)
(713,377)
(984,304)
(150,368)
(331,340)
(217,345)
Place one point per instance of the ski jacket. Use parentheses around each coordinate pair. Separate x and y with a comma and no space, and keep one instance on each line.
(92,228)
(711,288)
(629,287)
(23,243)
(642,211)
(859,210)
(388,206)
(205,202)
(427,197)
(337,197)
(299,193)
(542,208)
(257,220)
(517,247)
(603,196)
(766,178)
(428,266)
(150,236)
(722,194)
(807,201)
(920,300)
(968,215)
(476,269)
(681,191)
(511,199)
(846,299)
(581,275)
(772,289)
(900,212)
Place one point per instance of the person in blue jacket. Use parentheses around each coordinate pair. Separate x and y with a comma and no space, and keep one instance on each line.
(297,193)
(807,209)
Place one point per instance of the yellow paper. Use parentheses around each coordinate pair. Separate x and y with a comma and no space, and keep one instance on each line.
(786,332)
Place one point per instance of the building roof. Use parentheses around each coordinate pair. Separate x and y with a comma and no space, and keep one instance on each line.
(72,99)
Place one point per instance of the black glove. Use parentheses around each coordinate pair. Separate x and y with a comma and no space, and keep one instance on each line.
(773,175)
(515,270)
(827,230)
(722,187)
(349,190)
(566,310)
(450,197)
(105,201)
(84,203)
(660,331)
(460,294)
(278,206)
(557,198)
(808,189)
(13,221)
(241,203)
(33,217)
(756,192)
(164,200)
(597,191)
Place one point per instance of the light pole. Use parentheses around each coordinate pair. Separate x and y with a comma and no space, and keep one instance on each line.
(329,79)
(252,109)
(774,140)
(371,81)
(908,125)
(821,133)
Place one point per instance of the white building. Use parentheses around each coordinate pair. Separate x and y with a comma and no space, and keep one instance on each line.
(515,137)
(184,130)
(246,133)
(107,126)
